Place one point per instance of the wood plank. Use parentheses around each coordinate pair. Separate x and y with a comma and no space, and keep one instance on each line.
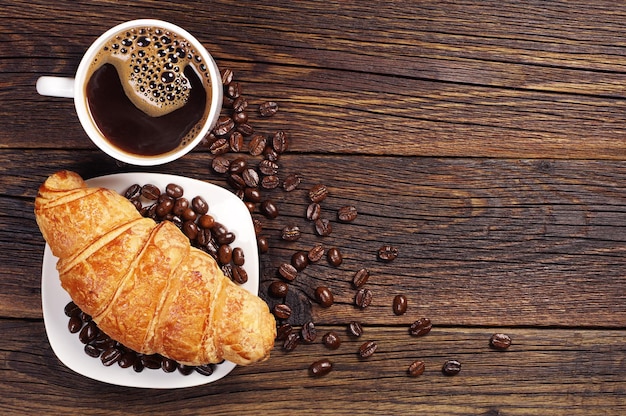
(587,375)
(459,87)
(480,241)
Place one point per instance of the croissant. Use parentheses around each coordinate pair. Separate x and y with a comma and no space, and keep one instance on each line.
(143,283)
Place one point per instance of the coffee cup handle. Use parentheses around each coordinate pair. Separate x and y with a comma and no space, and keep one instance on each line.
(56,86)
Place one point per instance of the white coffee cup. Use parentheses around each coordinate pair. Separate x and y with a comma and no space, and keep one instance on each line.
(76,88)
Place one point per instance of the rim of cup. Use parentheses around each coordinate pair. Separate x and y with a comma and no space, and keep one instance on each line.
(82,107)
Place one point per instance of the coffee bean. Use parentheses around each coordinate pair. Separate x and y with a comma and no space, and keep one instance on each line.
(239,258)
(219,147)
(240,104)
(268,108)
(318,193)
(267,167)
(360,278)
(152,361)
(334,256)
(399,305)
(263,244)
(290,233)
(245,128)
(235,140)
(367,349)
(420,327)
(320,368)
(205,369)
(220,164)
(270,182)
(70,309)
(200,205)
(323,227)
(190,229)
(387,253)
(186,369)
(240,276)
(347,213)
(355,329)
(299,260)
(233,89)
(291,182)
(315,253)
(180,206)
(227,76)
(236,181)
(324,296)
(251,193)
(75,324)
(127,359)
(257,144)
(281,311)
(134,191)
(223,126)
(238,165)
(287,271)
(168,365)
(110,356)
(278,289)
(313,211)
(416,368)
(88,333)
(363,298)
(283,331)
(251,180)
(451,368)
(270,154)
(92,351)
(150,192)
(291,342)
(331,340)
(269,209)
(164,207)
(308,333)
(280,142)
(500,341)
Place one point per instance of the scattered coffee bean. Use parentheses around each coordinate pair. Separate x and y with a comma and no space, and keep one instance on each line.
(451,368)
(399,305)
(420,327)
(300,260)
(269,209)
(291,182)
(331,340)
(363,298)
(280,142)
(240,276)
(347,213)
(355,329)
(270,182)
(240,104)
(227,76)
(316,253)
(110,356)
(324,296)
(318,193)
(267,167)
(268,108)
(281,311)
(360,278)
(320,368)
(251,180)
(239,258)
(278,289)
(205,370)
(313,211)
(308,333)
(416,368)
(367,349)
(257,144)
(283,331)
(334,256)
(134,191)
(500,341)
(387,253)
(263,243)
(291,342)
(291,233)
(223,126)
(287,271)
(323,227)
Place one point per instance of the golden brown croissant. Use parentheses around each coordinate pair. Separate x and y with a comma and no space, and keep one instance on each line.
(142,282)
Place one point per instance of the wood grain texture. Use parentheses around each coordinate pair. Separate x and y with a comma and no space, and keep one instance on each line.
(485,140)
(582,370)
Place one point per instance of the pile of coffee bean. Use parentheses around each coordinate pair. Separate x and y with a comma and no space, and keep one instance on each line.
(100,345)
(193,218)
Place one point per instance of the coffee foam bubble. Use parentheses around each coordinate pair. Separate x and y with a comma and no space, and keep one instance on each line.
(151,62)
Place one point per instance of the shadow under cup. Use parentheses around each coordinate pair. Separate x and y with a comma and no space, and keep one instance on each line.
(150,92)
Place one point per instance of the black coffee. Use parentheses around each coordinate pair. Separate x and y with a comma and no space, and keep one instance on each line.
(148,91)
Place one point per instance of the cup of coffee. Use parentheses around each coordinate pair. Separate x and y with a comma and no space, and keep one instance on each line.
(146,92)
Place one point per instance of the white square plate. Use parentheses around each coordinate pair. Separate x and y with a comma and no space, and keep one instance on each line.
(224,206)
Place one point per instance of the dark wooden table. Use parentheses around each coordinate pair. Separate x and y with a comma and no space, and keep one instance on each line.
(484,140)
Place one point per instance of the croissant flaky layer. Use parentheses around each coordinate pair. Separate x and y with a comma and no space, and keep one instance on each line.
(143,283)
